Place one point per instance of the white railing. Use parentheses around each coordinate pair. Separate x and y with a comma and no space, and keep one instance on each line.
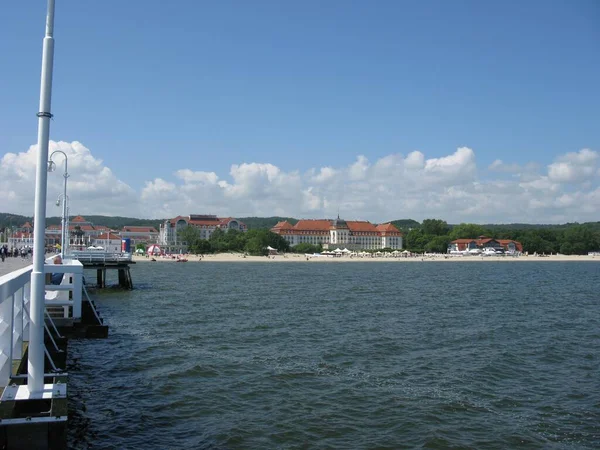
(58,295)
(15,295)
(94,256)
(14,318)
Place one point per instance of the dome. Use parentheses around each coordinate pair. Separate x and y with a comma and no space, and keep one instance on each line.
(338,223)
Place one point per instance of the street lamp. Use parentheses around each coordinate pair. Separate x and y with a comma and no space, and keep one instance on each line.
(64,232)
(52,168)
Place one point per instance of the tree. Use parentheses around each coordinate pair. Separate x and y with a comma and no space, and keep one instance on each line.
(435,227)
(201,247)
(416,240)
(189,235)
(439,244)
(305,247)
(467,231)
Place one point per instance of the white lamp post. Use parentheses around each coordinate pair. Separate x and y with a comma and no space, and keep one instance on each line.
(51,168)
(64,232)
(35,363)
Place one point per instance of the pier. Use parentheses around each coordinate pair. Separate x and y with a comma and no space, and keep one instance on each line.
(38,420)
(102,261)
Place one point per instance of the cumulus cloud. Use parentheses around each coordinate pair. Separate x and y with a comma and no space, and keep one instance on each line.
(394,186)
(92,187)
(574,167)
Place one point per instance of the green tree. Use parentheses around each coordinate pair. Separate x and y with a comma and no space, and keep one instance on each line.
(435,227)
(189,235)
(202,247)
(416,240)
(258,241)
(439,244)
(467,231)
(307,248)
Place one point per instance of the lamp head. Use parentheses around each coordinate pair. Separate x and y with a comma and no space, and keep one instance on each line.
(58,202)
(51,166)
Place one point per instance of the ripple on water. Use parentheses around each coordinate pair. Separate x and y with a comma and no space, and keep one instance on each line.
(228,356)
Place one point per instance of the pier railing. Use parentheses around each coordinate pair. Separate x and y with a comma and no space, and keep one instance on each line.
(95,256)
(15,295)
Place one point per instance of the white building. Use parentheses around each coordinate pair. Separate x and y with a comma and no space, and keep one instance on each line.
(354,235)
(206,224)
(108,241)
(140,235)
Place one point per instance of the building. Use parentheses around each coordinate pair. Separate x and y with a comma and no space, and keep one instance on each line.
(353,235)
(140,235)
(206,224)
(110,242)
(22,237)
(483,242)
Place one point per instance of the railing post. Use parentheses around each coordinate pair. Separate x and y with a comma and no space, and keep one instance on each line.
(77,291)
(6,323)
(25,303)
(17,345)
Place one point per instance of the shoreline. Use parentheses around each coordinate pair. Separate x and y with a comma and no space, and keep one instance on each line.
(290,257)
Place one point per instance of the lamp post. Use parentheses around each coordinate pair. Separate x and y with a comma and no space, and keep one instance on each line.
(51,168)
(64,232)
(35,363)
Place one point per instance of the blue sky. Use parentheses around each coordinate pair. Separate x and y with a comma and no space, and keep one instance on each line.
(153,87)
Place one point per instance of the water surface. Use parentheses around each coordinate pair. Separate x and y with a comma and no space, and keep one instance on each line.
(358,355)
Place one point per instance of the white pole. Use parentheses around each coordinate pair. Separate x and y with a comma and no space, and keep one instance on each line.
(64,212)
(35,366)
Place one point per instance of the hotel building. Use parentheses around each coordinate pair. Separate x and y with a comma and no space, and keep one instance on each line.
(353,235)
(206,224)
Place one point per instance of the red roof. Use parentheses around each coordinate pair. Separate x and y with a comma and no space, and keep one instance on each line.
(105,236)
(357,226)
(313,225)
(139,229)
(78,219)
(27,225)
(388,228)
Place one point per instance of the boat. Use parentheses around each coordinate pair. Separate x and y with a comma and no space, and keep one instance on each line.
(182,260)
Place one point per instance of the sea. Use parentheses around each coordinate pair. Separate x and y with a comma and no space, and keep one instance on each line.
(373,355)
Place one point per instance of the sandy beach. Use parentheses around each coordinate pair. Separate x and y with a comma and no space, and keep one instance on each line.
(11,264)
(238,257)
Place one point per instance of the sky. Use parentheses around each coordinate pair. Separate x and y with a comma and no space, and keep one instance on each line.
(467,111)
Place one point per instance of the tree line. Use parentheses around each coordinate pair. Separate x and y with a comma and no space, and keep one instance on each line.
(434,235)
(252,242)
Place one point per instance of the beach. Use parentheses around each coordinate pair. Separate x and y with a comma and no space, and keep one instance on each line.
(291,257)
(11,264)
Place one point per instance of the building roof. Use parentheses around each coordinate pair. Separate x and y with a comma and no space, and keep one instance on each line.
(388,228)
(27,225)
(110,236)
(312,225)
(78,219)
(482,240)
(283,225)
(361,226)
(130,229)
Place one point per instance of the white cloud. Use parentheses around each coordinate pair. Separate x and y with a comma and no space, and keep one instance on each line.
(92,187)
(394,186)
(574,167)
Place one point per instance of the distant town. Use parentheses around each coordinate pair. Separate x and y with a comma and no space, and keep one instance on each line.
(432,235)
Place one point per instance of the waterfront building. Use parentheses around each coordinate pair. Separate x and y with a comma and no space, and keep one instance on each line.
(110,242)
(22,237)
(139,235)
(483,242)
(331,234)
(206,224)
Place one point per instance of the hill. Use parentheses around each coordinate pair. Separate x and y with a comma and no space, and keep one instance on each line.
(113,222)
